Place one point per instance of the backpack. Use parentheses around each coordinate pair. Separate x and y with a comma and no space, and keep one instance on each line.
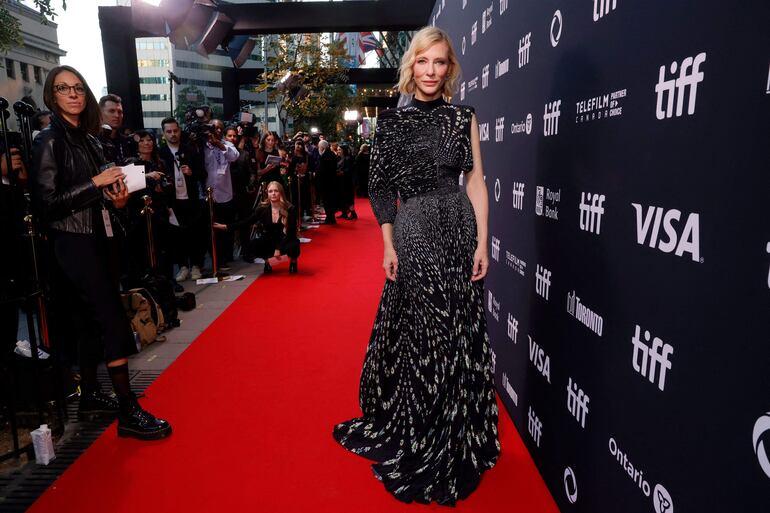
(162,290)
(146,316)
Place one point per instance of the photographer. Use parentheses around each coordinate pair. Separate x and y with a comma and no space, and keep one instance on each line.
(69,191)
(218,154)
(188,226)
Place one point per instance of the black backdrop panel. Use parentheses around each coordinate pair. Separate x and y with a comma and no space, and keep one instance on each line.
(625,147)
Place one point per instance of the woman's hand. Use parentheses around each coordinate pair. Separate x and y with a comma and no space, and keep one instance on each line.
(390,264)
(108,177)
(155,175)
(218,226)
(118,194)
(480,264)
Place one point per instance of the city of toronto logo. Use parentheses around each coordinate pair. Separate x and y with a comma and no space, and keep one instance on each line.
(759,437)
(570,485)
(556,26)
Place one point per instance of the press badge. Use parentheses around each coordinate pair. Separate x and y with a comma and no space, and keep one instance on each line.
(107,222)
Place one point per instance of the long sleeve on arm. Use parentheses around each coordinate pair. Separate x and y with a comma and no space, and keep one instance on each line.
(382,191)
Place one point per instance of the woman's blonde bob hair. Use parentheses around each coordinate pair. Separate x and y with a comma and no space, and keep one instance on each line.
(422,40)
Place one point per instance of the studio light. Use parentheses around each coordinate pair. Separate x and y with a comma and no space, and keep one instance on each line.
(351,115)
(313,129)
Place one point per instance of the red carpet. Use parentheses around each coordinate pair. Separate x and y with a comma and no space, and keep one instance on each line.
(254,399)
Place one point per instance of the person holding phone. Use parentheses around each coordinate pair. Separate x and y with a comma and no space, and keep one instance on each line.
(76,199)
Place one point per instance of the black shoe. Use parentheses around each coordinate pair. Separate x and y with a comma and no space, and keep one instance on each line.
(293,267)
(268,268)
(177,287)
(352,215)
(97,405)
(330,220)
(136,422)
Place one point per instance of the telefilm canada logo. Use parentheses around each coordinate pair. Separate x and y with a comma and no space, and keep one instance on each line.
(674,237)
(516,263)
(570,485)
(539,359)
(651,359)
(522,127)
(556,26)
(493,305)
(759,437)
(602,7)
(679,88)
(661,499)
(603,106)
(509,390)
(547,202)
(473,84)
(585,316)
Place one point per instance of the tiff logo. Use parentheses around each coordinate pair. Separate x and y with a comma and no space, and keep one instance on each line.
(518,195)
(499,129)
(503,5)
(651,360)
(474,31)
(534,426)
(483,131)
(591,211)
(513,328)
(602,7)
(524,45)
(485,77)
(577,403)
(551,118)
(495,249)
(501,68)
(649,224)
(690,76)
(486,18)
(542,281)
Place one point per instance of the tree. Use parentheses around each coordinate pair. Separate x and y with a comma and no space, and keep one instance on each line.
(306,78)
(192,96)
(10,27)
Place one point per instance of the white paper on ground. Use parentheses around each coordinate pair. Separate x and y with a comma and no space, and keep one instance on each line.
(259,260)
(135,179)
(304,240)
(310,226)
(234,277)
(206,281)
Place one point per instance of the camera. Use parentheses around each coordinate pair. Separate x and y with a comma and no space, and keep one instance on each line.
(196,124)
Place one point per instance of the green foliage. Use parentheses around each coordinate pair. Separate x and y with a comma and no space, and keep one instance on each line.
(182,103)
(10,27)
(317,69)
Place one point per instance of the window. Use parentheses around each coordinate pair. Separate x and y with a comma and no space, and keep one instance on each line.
(24,71)
(154,97)
(10,69)
(152,63)
(38,74)
(153,80)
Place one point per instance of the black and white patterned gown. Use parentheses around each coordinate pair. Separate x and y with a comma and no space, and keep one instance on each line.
(427,391)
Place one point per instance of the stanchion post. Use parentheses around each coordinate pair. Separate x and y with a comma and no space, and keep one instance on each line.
(299,202)
(147,212)
(210,200)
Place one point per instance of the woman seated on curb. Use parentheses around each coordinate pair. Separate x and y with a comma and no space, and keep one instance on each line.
(276,227)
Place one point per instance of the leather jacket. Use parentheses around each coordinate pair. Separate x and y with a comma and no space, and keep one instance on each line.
(64,159)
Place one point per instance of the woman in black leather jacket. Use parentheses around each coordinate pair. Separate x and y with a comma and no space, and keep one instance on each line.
(76,204)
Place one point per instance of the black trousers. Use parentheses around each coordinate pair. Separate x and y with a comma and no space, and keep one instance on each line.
(265,247)
(189,238)
(225,213)
(87,287)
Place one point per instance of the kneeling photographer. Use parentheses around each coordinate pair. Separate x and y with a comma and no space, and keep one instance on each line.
(77,201)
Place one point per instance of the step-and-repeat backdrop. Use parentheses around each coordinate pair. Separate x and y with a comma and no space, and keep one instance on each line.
(626,147)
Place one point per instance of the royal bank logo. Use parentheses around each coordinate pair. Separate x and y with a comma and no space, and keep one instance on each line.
(462,91)
(509,390)
(515,263)
(473,84)
(501,68)
(542,281)
(485,77)
(587,317)
(539,359)
(661,499)
(498,189)
(570,485)
(486,18)
(602,7)
(556,26)
(679,88)
(503,6)
(759,437)
(591,211)
(483,132)
(493,305)
(651,359)
(463,45)
(518,195)
(524,44)
(675,238)
(513,328)
(495,249)
(547,202)
(522,127)
(577,402)
(551,116)
(499,129)
(534,426)
(474,32)
(604,106)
